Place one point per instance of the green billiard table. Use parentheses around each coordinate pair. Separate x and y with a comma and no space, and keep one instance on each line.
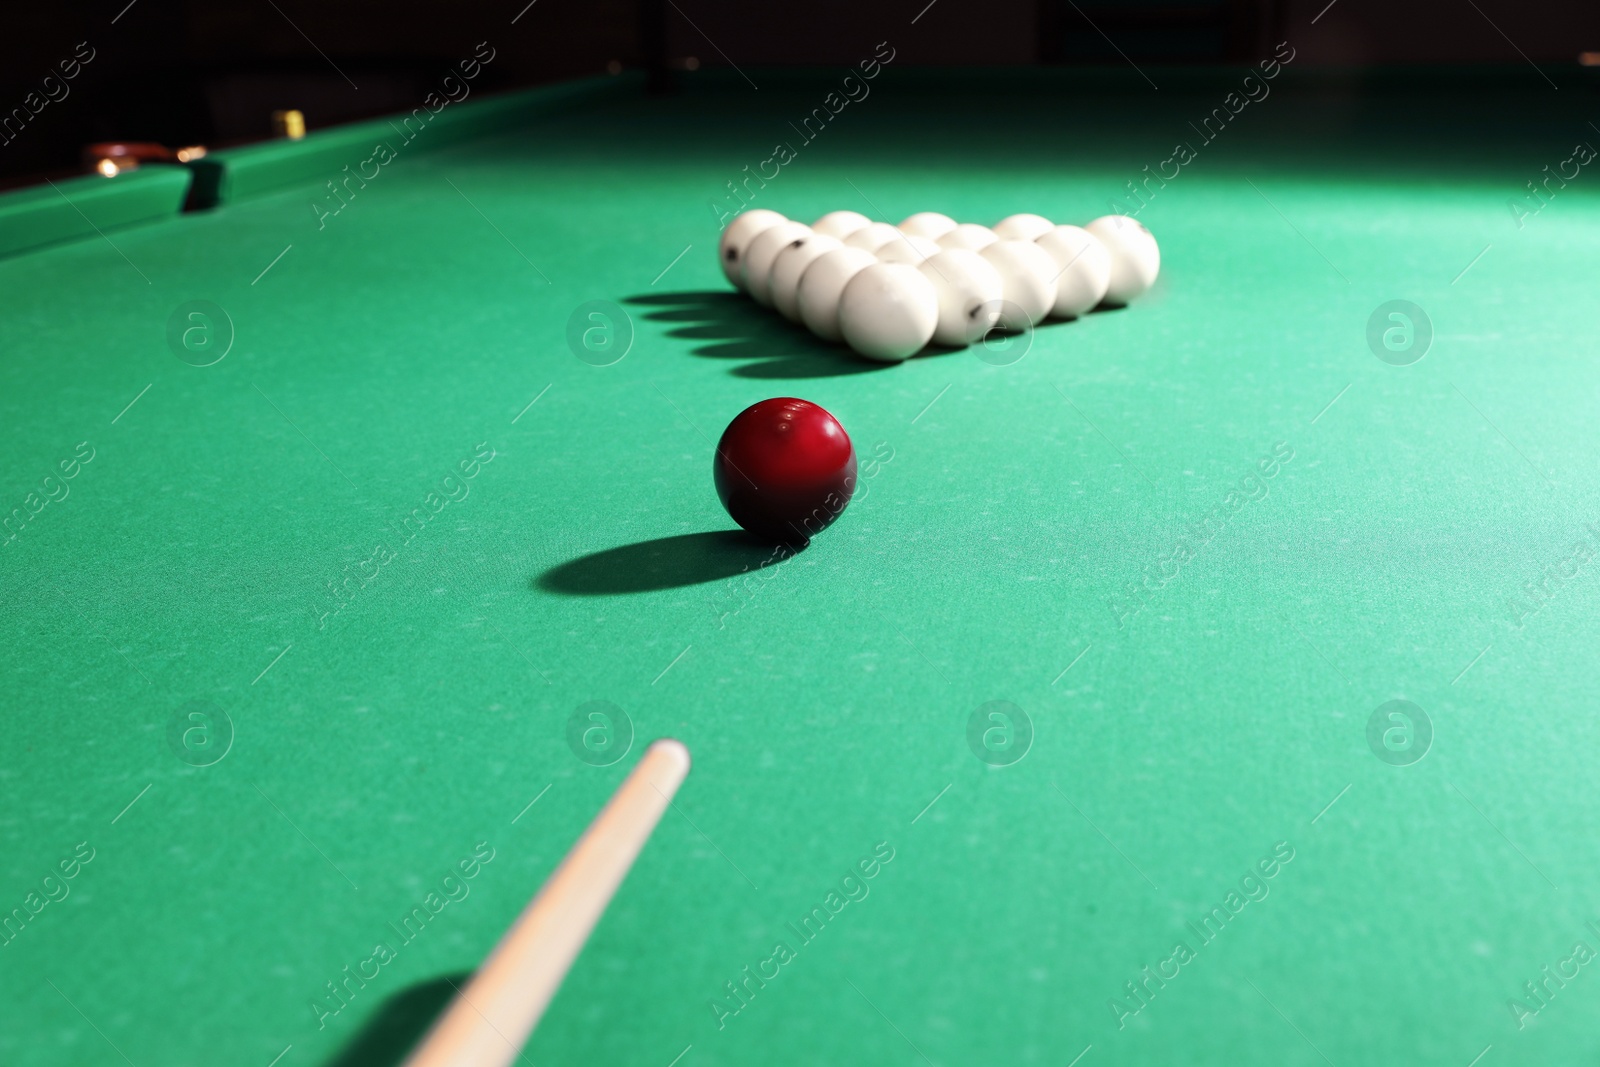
(1209,681)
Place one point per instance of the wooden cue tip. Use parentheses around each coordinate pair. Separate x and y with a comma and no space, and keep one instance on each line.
(490,1019)
(676,748)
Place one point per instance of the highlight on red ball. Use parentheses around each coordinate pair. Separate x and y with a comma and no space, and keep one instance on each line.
(785,469)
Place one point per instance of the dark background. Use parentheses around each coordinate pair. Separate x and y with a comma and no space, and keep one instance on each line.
(185,72)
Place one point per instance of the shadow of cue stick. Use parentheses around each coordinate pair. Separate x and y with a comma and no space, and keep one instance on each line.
(490,1019)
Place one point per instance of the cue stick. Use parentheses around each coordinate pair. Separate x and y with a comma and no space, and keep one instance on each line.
(491,1017)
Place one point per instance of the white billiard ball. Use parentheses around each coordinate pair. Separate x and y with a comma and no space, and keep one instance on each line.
(929,224)
(970,236)
(888,312)
(1028,278)
(908,249)
(821,285)
(736,237)
(1083,269)
(841,224)
(873,236)
(790,267)
(969,291)
(756,273)
(1135,258)
(1023,227)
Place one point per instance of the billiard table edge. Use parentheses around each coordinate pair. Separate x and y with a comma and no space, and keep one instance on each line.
(90,205)
(345,153)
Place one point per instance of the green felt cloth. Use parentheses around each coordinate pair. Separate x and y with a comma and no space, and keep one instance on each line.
(85,208)
(377,362)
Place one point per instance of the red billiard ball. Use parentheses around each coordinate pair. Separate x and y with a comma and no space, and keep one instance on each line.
(785,469)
